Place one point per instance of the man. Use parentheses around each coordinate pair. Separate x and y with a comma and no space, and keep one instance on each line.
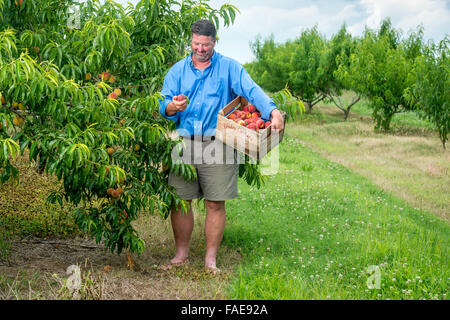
(210,81)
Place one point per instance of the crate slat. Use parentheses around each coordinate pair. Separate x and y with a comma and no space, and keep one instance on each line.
(255,144)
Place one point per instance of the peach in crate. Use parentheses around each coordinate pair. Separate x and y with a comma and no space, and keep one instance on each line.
(252,136)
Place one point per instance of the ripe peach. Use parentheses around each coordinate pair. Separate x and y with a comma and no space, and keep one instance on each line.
(260,123)
(251,108)
(242,122)
(251,126)
(88,76)
(180,97)
(109,191)
(106,75)
(115,194)
(112,95)
(18,120)
(232,116)
(118,91)
(245,109)
(3,100)
(111,151)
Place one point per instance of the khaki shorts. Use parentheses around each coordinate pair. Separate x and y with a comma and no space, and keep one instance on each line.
(215,181)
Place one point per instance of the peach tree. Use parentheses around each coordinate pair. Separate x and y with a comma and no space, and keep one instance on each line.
(300,65)
(79,90)
(340,47)
(379,69)
(430,93)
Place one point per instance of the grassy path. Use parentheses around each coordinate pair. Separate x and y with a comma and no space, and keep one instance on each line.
(315,228)
(409,161)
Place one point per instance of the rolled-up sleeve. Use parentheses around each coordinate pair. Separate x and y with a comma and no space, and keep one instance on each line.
(169,90)
(243,85)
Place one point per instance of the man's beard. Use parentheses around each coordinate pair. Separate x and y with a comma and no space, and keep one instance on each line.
(204,57)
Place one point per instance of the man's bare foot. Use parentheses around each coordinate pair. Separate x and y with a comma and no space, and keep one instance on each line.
(212,270)
(175,262)
(210,266)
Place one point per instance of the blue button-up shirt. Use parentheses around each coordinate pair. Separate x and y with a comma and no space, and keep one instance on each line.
(209,92)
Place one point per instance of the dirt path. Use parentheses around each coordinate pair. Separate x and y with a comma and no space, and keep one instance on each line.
(35,266)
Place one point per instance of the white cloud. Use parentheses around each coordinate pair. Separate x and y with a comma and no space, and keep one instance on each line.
(286,19)
(408,14)
(433,15)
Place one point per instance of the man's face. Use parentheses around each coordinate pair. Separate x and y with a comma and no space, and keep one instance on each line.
(202,47)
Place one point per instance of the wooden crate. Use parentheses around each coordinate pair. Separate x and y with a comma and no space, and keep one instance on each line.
(255,144)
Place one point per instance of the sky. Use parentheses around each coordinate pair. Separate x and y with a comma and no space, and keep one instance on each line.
(286,19)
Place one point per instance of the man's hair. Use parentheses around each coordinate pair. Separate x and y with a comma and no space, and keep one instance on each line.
(204,28)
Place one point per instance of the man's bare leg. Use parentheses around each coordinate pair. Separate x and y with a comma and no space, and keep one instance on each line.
(214,228)
(182,226)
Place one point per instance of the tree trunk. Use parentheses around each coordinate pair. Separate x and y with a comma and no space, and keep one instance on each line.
(347,110)
(346,113)
(308,106)
(40,166)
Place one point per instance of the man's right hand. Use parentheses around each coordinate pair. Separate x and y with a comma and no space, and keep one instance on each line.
(178,103)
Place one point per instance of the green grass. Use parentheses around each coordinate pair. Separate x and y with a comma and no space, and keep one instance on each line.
(313,230)
(409,162)
(400,122)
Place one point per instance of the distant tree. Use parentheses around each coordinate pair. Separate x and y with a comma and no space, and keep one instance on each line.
(379,70)
(308,78)
(297,65)
(430,93)
(388,32)
(340,47)
(270,67)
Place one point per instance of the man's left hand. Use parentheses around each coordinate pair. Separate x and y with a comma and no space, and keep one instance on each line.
(277,120)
